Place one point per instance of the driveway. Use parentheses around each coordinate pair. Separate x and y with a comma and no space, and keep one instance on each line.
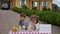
(8,19)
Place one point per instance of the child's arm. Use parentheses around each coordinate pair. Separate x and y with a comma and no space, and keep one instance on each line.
(30,27)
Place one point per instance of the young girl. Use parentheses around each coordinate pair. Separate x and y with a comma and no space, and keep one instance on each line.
(33,25)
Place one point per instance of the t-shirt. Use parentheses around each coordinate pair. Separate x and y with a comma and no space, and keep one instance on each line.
(23,25)
(37,27)
(31,25)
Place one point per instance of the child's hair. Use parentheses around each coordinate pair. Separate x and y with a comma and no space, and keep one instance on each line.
(23,15)
(34,16)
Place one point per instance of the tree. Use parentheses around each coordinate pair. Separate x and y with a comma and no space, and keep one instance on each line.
(54,7)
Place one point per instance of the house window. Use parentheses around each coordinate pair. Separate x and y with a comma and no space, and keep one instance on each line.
(35,4)
(44,3)
(22,2)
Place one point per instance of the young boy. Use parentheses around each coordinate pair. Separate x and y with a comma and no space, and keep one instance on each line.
(22,24)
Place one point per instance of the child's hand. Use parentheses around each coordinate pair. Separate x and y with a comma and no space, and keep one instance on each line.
(29,29)
(19,27)
(24,26)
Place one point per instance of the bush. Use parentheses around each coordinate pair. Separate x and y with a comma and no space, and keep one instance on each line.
(18,10)
(44,9)
(58,19)
(49,9)
(46,16)
(34,8)
(50,17)
(24,6)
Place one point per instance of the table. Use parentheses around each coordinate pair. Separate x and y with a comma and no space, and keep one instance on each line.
(28,32)
(44,29)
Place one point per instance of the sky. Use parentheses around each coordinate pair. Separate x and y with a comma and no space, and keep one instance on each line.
(57,2)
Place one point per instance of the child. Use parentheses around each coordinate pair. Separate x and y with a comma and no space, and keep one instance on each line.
(33,25)
(22,24)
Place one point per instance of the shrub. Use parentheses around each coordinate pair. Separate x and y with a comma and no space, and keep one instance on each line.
(44,9)
(49,9)
(58,19)
(24,6)
(41,17)
(18,10)
(50,17)
(34,8)
(27,12)
(46,16)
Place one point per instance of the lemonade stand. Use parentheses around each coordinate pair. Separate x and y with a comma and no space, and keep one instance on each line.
(44,29)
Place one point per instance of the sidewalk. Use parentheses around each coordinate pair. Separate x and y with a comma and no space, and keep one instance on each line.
(8,18)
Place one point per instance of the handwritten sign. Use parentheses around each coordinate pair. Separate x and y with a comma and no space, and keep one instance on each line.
(45,28)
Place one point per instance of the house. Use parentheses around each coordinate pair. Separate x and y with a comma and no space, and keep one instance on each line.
(39,4)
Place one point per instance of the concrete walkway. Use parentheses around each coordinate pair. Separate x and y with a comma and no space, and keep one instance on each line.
(9,19)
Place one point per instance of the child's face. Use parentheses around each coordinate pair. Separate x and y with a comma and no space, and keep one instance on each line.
(22,18)
(34,20)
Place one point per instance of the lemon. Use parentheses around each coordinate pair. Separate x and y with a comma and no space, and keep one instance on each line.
(15,29)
